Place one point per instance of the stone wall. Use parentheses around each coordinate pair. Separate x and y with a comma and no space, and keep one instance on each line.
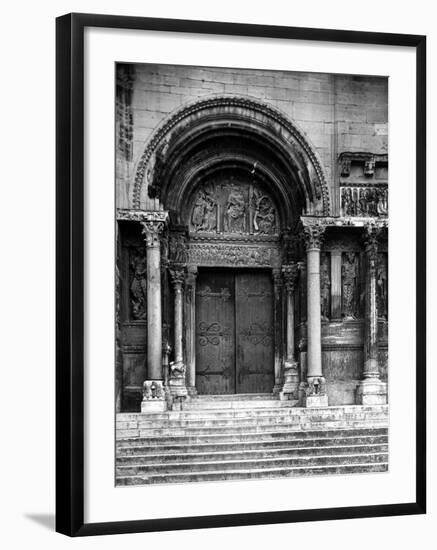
(337,112)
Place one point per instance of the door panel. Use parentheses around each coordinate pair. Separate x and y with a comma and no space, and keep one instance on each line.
(215,333)
(254,332)
(234,332)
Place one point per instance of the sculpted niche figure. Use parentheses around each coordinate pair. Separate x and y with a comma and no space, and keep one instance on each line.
(381,286)
(349,285)
(138,287)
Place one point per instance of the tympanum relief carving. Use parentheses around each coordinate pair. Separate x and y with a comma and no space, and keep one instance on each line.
(234,207)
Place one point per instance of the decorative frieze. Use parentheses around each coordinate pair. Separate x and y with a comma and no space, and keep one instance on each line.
(363,185)
(232,255)
(364,201)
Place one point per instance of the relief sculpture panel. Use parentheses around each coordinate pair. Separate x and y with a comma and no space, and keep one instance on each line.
(204,214)
(233,206)
(364,201)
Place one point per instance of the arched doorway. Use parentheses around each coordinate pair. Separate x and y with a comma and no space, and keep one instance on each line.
(235,177)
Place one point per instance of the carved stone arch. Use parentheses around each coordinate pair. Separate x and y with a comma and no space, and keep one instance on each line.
(260,129)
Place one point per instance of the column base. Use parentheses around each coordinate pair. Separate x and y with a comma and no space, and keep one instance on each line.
(371,391)
(192,391)
(176,382)
(154,399)
(313,392)
(290,388)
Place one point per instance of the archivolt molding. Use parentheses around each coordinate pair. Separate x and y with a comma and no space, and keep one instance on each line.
(245,110)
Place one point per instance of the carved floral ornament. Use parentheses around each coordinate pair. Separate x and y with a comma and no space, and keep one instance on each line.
(249,112)
(177,276)
(290,274)
(313,236)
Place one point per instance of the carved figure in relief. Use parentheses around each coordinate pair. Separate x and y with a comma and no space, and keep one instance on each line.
(346,202)
(177,370)
(381,286)
(382,206)
(138,287)
(316,386)
(152,390)
(178,249)
(264,220)
(325,287)
(235,210)
(204,215)
(368,201)
(349,285)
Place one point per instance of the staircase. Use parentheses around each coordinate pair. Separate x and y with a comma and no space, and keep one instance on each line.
(218,438)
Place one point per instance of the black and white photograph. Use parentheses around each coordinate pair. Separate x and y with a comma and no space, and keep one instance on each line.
(251,277)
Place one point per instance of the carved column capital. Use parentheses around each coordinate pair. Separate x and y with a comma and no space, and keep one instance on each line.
(177,276)
(313,236)
(290,274)
(153,224)
(178,249)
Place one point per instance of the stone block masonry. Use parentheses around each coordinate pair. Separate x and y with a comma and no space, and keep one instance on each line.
(336,112)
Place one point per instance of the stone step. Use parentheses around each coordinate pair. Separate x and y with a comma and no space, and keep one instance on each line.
(223,465)
(242,435)
(131,421)
(203,404)
(348,412)
(252,454)
(234,430)
(241,445)
(200,422)
(255,473)
(237,397)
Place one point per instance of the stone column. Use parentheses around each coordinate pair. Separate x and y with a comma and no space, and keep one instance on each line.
(177,367)
(277,316)
(153,396)
(371,391)
(336,284)
(190,328)
(315,391)
(291,374)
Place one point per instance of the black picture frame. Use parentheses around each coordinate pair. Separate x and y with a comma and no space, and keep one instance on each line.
(70,273)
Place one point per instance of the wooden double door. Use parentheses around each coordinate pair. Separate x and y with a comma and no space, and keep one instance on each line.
(234,332)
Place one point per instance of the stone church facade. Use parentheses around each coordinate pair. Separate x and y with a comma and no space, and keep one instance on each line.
(252,220)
